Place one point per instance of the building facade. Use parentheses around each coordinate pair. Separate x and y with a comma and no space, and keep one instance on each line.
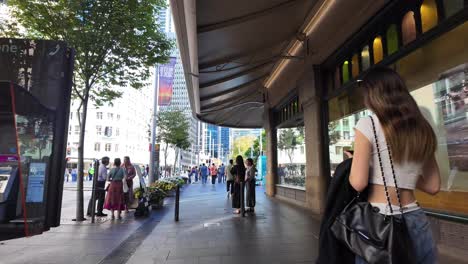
(114,130)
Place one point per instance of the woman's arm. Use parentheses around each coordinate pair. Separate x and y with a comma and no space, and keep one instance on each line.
(429,181)
(359,177)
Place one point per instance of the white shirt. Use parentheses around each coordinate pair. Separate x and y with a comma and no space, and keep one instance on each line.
(102,172)
(407,173)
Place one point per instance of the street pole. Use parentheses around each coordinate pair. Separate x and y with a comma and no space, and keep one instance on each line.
(153,168)
(261,143)
(198,143)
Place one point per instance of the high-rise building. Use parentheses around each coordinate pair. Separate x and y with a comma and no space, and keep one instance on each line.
(179,99)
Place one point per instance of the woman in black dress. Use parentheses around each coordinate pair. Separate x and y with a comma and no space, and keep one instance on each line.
(239,176)
(250,185)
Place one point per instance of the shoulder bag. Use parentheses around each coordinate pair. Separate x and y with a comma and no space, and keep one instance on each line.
(376,237)
(124,180)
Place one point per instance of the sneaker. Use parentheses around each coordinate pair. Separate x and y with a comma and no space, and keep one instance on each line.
(101,214)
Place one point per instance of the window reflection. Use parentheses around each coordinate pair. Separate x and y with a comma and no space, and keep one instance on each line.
(378,49)
(365,59)
(341,137)
(291,156)
(392,39)
(428,15)
(408,28)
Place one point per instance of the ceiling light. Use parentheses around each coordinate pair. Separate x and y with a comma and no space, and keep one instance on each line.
(296,44)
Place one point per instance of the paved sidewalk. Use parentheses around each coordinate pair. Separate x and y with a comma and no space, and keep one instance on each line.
(208,232)
(72,242)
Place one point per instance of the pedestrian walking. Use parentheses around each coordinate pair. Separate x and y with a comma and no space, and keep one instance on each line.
(90,172)
(214,173)
(204,173)
(74,174)
(130,173)
(196,172)
(100,192)
(394,153)
(229,178)
(115,193)
(250,185)
(238,171)
(67,174)
(221,170)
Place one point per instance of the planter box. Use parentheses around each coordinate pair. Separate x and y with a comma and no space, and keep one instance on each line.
(171,193)
(158,205)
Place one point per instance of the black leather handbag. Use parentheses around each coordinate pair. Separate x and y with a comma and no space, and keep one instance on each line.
(376,237)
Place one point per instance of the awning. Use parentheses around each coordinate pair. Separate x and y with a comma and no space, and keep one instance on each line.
(231,49)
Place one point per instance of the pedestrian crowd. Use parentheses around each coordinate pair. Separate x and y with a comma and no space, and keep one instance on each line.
(239,179)
(114,187)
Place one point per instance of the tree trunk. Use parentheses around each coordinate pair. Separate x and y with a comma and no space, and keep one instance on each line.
(290,154)
(175,159)
(165,159)
(79,180)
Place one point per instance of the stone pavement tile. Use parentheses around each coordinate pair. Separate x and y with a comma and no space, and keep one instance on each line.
(88,259)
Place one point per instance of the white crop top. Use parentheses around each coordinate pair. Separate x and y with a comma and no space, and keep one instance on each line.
(407,174)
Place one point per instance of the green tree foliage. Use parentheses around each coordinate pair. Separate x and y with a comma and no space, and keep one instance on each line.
(241,146)
(289,139)
(115,43)
(173,130)
(256,152)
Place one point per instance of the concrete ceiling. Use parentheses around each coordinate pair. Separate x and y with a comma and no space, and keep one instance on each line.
(230,47)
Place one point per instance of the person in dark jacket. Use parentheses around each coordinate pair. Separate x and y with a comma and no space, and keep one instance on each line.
(340,193)
(238,171)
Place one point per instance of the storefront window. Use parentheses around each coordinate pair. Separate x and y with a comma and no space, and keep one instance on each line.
(378,50)
(437,76)
(355,65)
(428,15)
(345,71)
(341,137)
(408,28)
(392,39)
(291,156)
(365,59)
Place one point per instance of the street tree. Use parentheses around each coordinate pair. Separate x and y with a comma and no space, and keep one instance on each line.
(173,131)
(242,145)
(254,152)
(289,139)
(115,42)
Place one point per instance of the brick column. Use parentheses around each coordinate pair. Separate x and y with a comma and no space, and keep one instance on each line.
(271,151)
(315,179)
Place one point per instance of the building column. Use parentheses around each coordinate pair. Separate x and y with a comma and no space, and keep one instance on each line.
(309,96)
(271,151)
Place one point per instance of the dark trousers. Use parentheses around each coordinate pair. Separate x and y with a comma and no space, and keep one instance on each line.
(99,196)
(230,186)
(213,179)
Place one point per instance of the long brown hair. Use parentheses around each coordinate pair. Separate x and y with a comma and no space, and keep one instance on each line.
(407,132)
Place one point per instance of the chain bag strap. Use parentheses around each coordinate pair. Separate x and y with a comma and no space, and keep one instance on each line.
(376,237)
(382,171)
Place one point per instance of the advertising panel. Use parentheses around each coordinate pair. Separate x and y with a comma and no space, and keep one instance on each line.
(166,81)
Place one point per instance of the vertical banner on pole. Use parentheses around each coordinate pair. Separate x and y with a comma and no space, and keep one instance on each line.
(166,81)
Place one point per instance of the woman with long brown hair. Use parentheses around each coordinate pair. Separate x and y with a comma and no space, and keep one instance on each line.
(238,171)
(406,143)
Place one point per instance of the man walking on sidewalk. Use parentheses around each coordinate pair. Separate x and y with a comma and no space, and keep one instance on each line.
(221,173)
(100,193)
(204,173)
(214,173)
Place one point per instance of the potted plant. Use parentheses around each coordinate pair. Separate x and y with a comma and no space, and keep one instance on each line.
(156,197)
